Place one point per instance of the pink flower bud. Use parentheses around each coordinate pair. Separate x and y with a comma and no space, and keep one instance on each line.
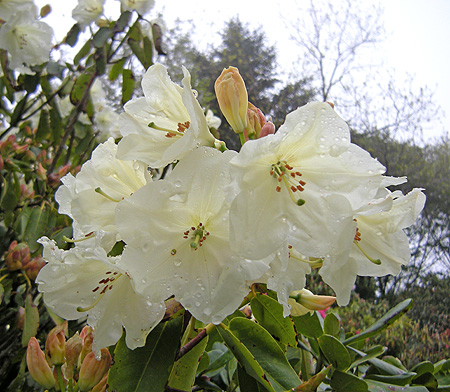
(93,370)
(101,386)
(38,366)
(257,125)
(17,256)
(33,267)
(233,98)
(87,338)
(73,350)
(55,346)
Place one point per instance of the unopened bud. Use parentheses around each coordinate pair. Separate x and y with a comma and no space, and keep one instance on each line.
(20,318)
(33,267)
(101,386)
(87,338)
(55,346)
(257,125)
(41,172)
(45,10)
(233,98)
(17,256)
(93,370)
(304,301)
(38,366)
(73,350)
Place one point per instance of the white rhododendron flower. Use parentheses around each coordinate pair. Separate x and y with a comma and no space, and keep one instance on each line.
(374,243)
(140,6)
(9,8)
(84,282)
(212,120)
(91,197)
(87,11)
(176,232)
(287,177)
(165,124)
(27,40)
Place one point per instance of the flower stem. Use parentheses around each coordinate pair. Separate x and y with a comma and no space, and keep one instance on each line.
(193,342)
(242,138)
(60,378)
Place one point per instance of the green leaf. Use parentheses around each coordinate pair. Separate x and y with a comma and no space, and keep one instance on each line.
(375,386)
(423,367)
(2,293)
(100,37)
(43,129)
(183,373)
(31,321)
(83,52)
(335,352)
(426,379)
(346,382)
(36,227)
(244,356)
(308,325)
(267,352)
(331,325)
(116,69)
(8,198)
(373,352)
(247,383)
(122,21)
(72,36)
(18,110)
(146,369)
(79,87)
(148,51)
(388,319)
(312,384)
(269,314)
(127,85)
(100,60)
(219,356)
(56,127)
(399,379)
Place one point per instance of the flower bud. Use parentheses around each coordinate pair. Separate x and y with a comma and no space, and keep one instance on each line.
(304,301)
(257,126)
(233,98)
(73,350)
(93,370)
(101,386)
(33,267)
(87,338)
(38,366)
(55,346)
(17,256)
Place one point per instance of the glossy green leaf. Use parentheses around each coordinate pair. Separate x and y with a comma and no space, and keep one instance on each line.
(8,197)
(388,319)
(426,379)
(219,356)
(127,85)
(373,352)
(312,384)
(331,325)
(116,69)
(375,386)
(346,382)
(335,352)
(122,21)
(79,87)
(72,36)
(398,379)
(100,37)
(43,129)
(148,51)
(31,323)
(308,325)
(17,112)
(83,52)
(244,356)
(183,373)
(442,366)
(247,383)
(269,314)
(267,352)
(36,227)
(56,126)
(423,367)
(100,60)
(146,369)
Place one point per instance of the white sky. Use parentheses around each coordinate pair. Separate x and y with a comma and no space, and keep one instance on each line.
(417,43)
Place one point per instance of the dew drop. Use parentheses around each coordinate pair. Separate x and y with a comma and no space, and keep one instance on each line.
(177,262)
(207,311)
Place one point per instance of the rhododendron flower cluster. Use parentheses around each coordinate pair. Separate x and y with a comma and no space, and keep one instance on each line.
(190,220)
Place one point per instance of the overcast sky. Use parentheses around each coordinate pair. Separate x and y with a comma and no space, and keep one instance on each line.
(418,33)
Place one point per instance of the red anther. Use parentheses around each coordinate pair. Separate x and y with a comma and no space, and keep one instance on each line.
(95,289)
(293,175)
(271,172)
(298,173)
(185,236)
(301,189)
(192,228)
(293,189)
(278,188)
(200,224)
(104,290)
(302,183)
(279,179)
(110,287)
(289,246)
(288,167)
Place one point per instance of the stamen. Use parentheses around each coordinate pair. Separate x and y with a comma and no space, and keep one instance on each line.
(72,240)
(291,181)
(198,235)
(99,191)
(375,261)
(171,132)
(108,282)
(315,263)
